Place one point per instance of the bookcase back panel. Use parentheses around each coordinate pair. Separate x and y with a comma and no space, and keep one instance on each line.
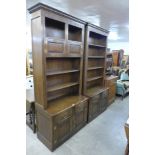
(58,80)
(62,64)
(94,83)
(94,51)
(63,92)
(74,33)
(94,73)
(98,39)
(54,28)
(95,63)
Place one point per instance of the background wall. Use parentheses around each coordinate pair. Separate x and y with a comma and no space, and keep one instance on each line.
(118,46)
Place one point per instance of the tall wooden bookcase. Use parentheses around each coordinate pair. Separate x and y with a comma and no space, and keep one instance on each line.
(57,46)
(94,69)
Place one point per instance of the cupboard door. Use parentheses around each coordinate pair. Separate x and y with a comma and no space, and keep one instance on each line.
(55,47)
(103,101)
(80,118)
(62,127)
(94,107)
(74,48)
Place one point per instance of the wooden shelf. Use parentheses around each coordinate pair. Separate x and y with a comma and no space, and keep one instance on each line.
(61,72)
(66,85)
(53,55)
(100,57)
(94,90)
(94,78)
(93,68)
(95,45)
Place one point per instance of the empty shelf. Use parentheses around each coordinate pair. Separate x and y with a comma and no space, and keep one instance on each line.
(66,85)
(61,72)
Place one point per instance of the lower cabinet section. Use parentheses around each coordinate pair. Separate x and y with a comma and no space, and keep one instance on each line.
(97,104)
(54,130)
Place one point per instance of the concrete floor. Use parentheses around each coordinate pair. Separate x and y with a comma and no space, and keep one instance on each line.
(105,135)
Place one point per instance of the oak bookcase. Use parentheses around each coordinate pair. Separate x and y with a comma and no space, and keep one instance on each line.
(68,83)
(94,69)
(57,45)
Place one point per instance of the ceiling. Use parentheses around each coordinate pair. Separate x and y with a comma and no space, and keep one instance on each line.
(112,15)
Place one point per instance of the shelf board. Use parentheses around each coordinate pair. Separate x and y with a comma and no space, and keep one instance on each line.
(93,68)
(94,91)
(95,45)
(61,72)
(96,57)
(94,78)
(53,55)
(62,86)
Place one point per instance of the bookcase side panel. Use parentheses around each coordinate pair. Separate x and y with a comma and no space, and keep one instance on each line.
(38,60)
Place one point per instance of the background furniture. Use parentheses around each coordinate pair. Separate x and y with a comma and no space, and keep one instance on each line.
(126,126)
(122,87)
(94,70)
(111,83)
(30,103)
(109,63)
(57,46)
(30,109)
(115,57)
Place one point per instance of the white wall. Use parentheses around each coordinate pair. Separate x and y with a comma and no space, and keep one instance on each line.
(118,46)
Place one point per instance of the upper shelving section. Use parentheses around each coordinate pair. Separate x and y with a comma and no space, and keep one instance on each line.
(74,33)
(54,28)
(97,40)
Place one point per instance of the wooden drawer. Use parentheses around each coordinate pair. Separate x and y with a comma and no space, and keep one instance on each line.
(63,115)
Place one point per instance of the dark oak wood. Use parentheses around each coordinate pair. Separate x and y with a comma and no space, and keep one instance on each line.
(58,52)
(94,70)
(61,120)
(111,84)
(57,46)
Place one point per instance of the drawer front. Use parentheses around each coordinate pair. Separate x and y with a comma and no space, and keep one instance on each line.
(55,47)
(63,115)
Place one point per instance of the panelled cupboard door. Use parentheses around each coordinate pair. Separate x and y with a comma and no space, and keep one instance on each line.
(103,102)
(62,127)
(94,107)
(74,48)
(54,48)
(80,117)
